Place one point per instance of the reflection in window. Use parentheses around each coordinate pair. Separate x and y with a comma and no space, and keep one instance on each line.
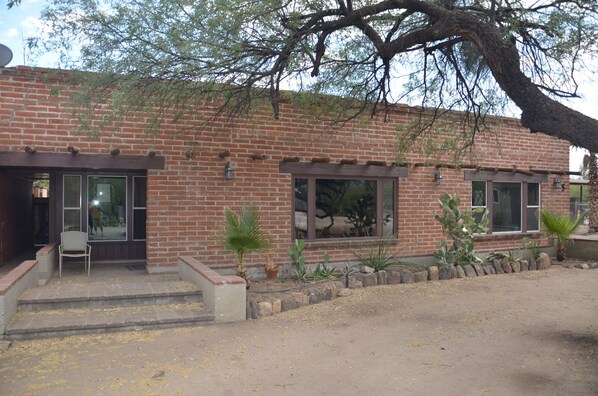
(300,208)
(506,211)
(388,203)
(345,208)
(71,197)
(107,219)
(478,198)
(533,207)
(139,207)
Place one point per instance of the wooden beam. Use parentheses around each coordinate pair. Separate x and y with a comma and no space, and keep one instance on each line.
(79,161)
(318,169)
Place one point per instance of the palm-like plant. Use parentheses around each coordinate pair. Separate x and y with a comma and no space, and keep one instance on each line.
(561,226)
(243,234)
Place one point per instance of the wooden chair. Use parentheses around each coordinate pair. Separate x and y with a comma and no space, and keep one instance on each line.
(74,244)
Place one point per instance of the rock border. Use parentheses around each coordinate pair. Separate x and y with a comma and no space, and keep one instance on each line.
(314,294)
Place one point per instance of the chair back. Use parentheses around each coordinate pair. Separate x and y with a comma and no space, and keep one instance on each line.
(73,241)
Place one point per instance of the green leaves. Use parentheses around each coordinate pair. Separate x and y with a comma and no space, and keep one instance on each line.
(460,226)
(243,234)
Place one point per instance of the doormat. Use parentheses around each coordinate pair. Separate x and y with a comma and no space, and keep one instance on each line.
(136,267)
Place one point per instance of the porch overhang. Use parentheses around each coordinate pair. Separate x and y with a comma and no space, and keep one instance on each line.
(80,161)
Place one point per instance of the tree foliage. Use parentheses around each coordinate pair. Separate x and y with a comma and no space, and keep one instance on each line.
(467,54)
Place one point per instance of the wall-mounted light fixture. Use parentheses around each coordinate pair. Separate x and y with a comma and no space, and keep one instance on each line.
(114,152)
(228,171)
(438,177)
(30,149)
(556,183)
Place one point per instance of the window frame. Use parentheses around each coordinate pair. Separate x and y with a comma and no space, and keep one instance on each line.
(73,208)
(126,206)
(311,206)
(525,178)
(138,208)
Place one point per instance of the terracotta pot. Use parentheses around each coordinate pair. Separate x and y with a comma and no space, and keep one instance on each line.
(272,273)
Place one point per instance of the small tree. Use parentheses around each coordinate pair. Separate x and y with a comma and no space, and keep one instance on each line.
(560,226)
(243,234)
(460,226)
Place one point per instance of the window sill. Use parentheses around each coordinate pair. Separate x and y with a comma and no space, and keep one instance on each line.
(347,242)
(518,235)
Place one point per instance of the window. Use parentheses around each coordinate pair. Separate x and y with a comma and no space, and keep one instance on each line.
(343,208)
(139,207)
(533,207)
(71,203)
(515,206)
(107,213)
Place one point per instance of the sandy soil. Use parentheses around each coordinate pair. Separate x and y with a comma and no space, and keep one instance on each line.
(527,333)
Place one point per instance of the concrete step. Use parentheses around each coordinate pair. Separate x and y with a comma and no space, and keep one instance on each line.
(99,294)
(76,321)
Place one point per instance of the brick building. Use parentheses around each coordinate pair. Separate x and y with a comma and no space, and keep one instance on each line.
(160,197)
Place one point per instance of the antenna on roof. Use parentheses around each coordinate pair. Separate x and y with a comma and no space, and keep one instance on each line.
(5,55)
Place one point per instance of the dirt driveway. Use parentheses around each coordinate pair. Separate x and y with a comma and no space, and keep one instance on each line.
(527,333)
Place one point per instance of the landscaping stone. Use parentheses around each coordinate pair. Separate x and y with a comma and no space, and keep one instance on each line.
(329,292)
(264,308)
(460,271)
(433,273)
(515,266)
(420,276)
(469,271)
(370,279)
(506,268)
(382,277)
(366,270)
(594,265)
(497,267)
(444,273)
(252,310)
(543,262)
(300,298)
(393,277)
(489,269)
(453,272)
(406,276)
(524,265)
(276,306)
(288,304)
(478,269)
(585,266)
(344,293)
(314,295)
(533,266)
(355,284)
(4,345)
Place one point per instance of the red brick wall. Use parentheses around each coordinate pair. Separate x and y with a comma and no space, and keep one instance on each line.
(186,200)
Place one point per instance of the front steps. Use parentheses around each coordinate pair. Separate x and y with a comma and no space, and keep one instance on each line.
(57,310)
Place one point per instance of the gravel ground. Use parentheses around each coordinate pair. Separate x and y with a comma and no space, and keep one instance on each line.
(528,333)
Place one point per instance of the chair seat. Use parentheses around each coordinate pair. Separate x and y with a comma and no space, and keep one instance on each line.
(74,244)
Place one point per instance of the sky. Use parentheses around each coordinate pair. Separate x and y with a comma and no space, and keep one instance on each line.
(23,21)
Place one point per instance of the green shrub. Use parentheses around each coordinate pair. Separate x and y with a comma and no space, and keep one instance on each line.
(379,255)
(562,227)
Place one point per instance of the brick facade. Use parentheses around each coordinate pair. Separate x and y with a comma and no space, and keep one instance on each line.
(186,200)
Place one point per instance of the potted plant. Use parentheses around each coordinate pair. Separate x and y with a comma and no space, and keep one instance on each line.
(560,226)
(271,267)
(243,234)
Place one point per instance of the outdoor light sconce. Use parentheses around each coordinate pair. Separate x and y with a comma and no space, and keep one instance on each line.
(228,171)
(556,184)
(438,177)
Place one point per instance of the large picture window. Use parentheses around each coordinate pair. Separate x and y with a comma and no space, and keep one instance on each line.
(514,206)
(328,207)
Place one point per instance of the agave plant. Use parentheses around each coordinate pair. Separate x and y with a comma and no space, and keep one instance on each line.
(243,234)
(560,226)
